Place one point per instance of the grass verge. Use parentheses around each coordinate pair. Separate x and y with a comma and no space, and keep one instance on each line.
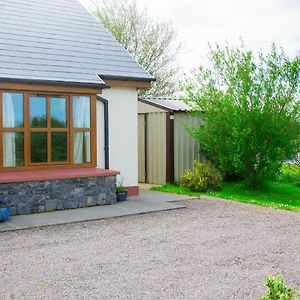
(276,194)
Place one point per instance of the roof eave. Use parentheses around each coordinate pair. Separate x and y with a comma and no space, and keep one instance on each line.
(55,82)
(127,78)
(161,106)
(155,105)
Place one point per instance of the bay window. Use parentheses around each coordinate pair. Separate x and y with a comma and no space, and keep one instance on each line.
(44,130)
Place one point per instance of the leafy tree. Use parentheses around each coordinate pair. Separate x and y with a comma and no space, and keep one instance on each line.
(152,43)
(250,110)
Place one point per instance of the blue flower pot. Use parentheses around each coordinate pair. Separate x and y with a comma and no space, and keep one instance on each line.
(121,196)
(4,213)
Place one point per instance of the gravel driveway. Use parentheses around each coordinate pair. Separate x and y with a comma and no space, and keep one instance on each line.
(213,249)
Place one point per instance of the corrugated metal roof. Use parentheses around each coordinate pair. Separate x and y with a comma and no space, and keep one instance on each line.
(59,41)
(169,103)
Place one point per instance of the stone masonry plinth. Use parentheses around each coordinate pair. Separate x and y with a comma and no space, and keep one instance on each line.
(57,194)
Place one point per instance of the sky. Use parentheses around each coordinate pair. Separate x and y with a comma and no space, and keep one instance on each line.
(257,22)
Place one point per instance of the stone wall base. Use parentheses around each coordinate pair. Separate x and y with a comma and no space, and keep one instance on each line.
(43,196)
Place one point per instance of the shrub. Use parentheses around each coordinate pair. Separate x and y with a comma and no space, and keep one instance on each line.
(289,173)
(204,177)
(277,290)
(249,110)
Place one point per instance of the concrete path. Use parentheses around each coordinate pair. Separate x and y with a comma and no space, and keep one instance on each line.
(147,201)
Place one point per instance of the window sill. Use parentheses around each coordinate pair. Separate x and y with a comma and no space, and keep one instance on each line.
(43,175)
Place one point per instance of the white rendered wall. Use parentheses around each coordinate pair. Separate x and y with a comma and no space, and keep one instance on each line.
(123,139)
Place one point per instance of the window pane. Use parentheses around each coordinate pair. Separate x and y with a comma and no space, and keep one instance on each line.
(58,108)
(81,112)
(82,147)
(38,112)
(13,149)
(38,147)
(59,147)
(13,110)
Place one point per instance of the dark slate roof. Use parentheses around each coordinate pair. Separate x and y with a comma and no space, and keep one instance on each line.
(169,103)
(59,41)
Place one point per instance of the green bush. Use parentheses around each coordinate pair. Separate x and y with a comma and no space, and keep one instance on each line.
(277,290)
(289,173)
(249,111)
(204,177)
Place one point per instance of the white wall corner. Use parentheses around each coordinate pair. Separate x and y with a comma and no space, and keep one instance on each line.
(123,137)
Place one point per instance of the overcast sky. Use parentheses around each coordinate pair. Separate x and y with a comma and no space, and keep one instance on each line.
(258,22)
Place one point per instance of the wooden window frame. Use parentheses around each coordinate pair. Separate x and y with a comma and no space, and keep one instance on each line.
(49,130)
(69,130)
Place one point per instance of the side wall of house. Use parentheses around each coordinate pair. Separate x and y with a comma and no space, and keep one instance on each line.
(123,139)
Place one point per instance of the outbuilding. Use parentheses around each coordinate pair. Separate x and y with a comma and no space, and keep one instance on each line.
(166,149)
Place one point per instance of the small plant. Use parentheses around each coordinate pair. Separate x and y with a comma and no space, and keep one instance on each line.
(120,187)
(121,192)
(277,289)
(204,177)
(2,204)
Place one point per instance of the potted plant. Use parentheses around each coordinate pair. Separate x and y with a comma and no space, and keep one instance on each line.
(121,192)
(4,211)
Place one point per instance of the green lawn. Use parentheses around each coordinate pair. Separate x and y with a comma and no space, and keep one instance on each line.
(275,194)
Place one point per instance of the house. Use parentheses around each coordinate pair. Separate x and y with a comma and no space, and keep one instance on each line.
(166,149)
(68,108)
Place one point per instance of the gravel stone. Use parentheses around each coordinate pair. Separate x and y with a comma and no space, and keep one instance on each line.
(213,249)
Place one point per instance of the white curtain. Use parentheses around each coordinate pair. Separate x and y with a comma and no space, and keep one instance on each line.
(81,112)
(81,119)
(9,138)
(87,146)
(78,147)
(82,147)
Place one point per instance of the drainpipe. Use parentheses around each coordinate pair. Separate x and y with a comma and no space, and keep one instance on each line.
(106,130)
